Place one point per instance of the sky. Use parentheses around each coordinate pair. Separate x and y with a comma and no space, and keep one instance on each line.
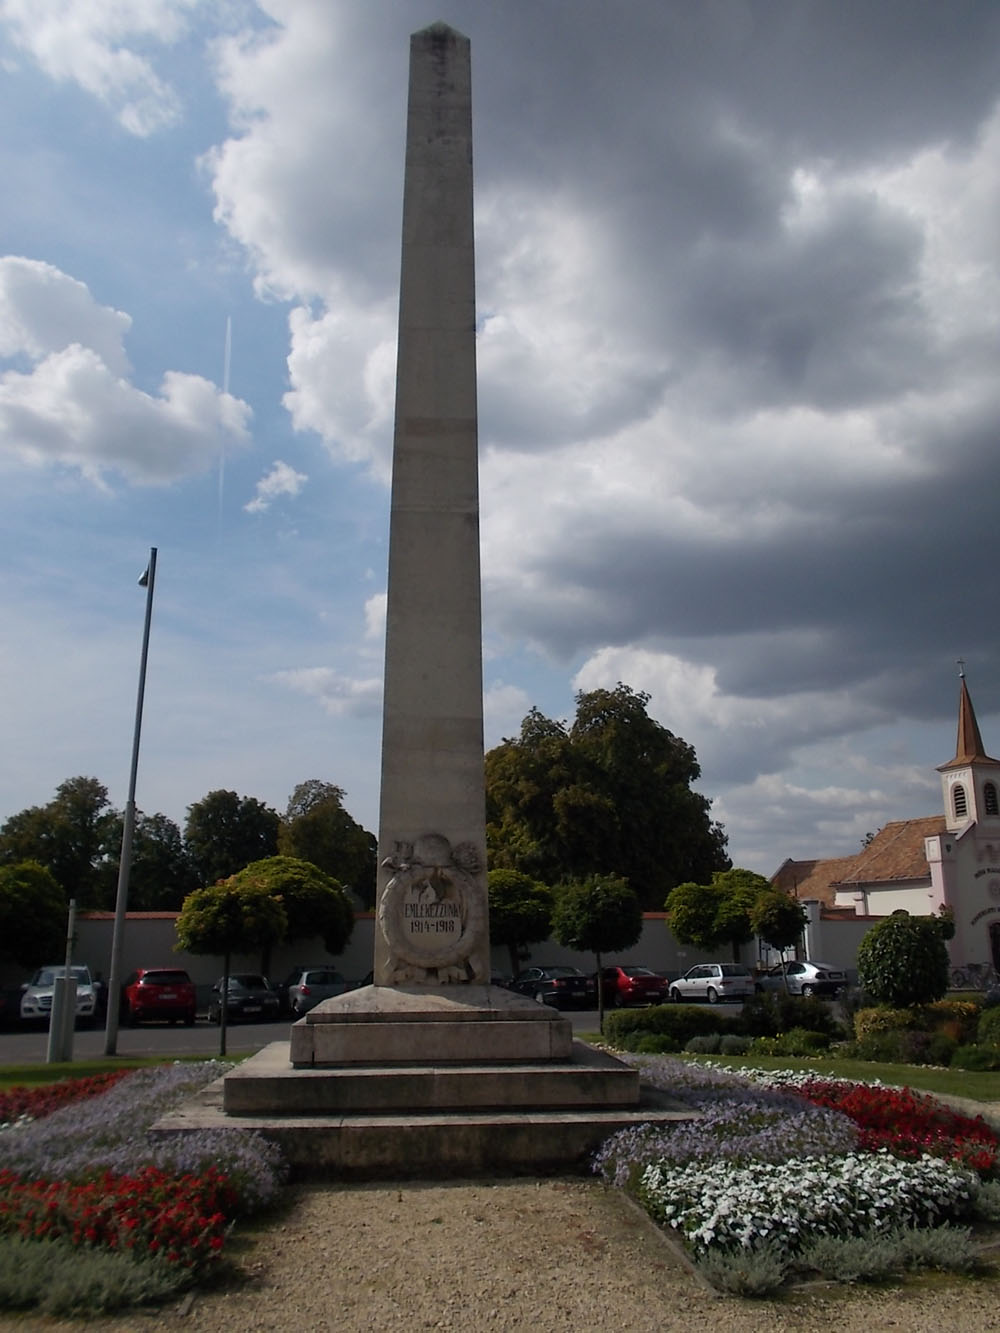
(738,312)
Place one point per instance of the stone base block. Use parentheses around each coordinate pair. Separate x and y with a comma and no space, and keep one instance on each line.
(379,1025)
(587,1078)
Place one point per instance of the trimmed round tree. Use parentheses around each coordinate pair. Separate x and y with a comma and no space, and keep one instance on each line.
(597,915)
(778,919)
(520,911)
(229,918)
(903,960)
(315,904)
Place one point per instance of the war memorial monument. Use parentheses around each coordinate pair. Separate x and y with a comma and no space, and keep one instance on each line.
(432,1071)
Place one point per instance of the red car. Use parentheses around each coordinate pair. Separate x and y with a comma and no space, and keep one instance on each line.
(158,992)
(632,984)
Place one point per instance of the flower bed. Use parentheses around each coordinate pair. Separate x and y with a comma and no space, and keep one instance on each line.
(33,1103)
(774,1164)
(182,1218)
(86,1176)
(908,1124)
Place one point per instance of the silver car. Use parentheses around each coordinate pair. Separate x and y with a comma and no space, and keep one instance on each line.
(314,984)
(36,997)
(803,978)
(713,982)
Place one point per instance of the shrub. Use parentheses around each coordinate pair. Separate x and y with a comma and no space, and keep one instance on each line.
(710,1044)
(976,1058)
(799,1041)
(654,1044)
(906,1047)
(941,1049)
(772,1012)
(58,1279)
(903,960)
(733,1044)
(988,1028)
(873,1022)
(755,1272)
(956,1018)
(680,1022)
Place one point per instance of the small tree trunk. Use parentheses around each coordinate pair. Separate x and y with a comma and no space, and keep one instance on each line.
(224,1005)
(600,994)
(515,962)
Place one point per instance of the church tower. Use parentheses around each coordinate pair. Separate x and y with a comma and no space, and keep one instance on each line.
(970,782)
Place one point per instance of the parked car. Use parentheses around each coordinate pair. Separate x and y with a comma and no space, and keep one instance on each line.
(313,985)
(250,995)
(158,992)
(36,996)
(713,982)
(561,986)
(282,987)
(632,984)
(804,978)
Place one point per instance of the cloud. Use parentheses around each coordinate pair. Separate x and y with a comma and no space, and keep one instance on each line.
(281,480)
(74,406)
(375,611)
(504,709)
(90,43)
(339,695)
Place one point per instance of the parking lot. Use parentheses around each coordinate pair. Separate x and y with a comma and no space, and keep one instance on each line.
(18,1047)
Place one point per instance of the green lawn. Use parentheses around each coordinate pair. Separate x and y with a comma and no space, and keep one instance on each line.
(979,1087)
(19,1076)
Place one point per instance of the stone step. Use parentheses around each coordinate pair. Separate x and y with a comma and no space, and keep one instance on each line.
(272,1086)
(430,1145)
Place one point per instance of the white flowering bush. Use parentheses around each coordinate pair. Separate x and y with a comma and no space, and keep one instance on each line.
(732,1206)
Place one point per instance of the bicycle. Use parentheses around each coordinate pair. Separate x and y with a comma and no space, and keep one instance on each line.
(975,976)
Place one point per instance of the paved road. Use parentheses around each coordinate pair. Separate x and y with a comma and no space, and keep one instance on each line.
(21,1048)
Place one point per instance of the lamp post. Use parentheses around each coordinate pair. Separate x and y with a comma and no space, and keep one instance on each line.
(128,827)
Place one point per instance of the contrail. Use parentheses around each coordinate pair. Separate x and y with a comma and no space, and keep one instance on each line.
(226,359)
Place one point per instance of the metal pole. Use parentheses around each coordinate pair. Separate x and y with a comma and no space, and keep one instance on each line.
(128,827)
(62,1018)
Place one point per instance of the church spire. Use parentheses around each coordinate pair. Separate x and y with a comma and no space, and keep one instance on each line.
(969,745)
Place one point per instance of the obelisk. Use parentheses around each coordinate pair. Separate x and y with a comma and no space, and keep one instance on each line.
(432,916)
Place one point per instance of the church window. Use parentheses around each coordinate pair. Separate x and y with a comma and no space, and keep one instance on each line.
(959,800)
(990,799)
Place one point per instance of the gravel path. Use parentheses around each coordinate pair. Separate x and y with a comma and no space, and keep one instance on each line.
(509,1256)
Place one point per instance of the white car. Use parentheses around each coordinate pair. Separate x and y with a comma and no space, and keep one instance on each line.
(804,978)
(36,997)
(713,982)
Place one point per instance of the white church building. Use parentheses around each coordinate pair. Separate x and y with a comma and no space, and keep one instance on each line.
(919,865)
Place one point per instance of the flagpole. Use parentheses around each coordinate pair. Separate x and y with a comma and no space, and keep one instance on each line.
(128,828)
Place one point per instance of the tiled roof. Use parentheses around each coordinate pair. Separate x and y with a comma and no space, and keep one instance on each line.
(895,853)
(812,879)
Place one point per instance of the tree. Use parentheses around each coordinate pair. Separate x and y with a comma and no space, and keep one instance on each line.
(707,916)
(609,795)
(778,919)
(903,959)
(597,915)
(32,915)
(520,911)
(161,871)
(225,832)
(228,918)
(317,828)
(71,836)
(314,904)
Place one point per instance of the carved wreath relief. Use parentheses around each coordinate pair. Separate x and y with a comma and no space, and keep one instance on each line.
(432,912)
